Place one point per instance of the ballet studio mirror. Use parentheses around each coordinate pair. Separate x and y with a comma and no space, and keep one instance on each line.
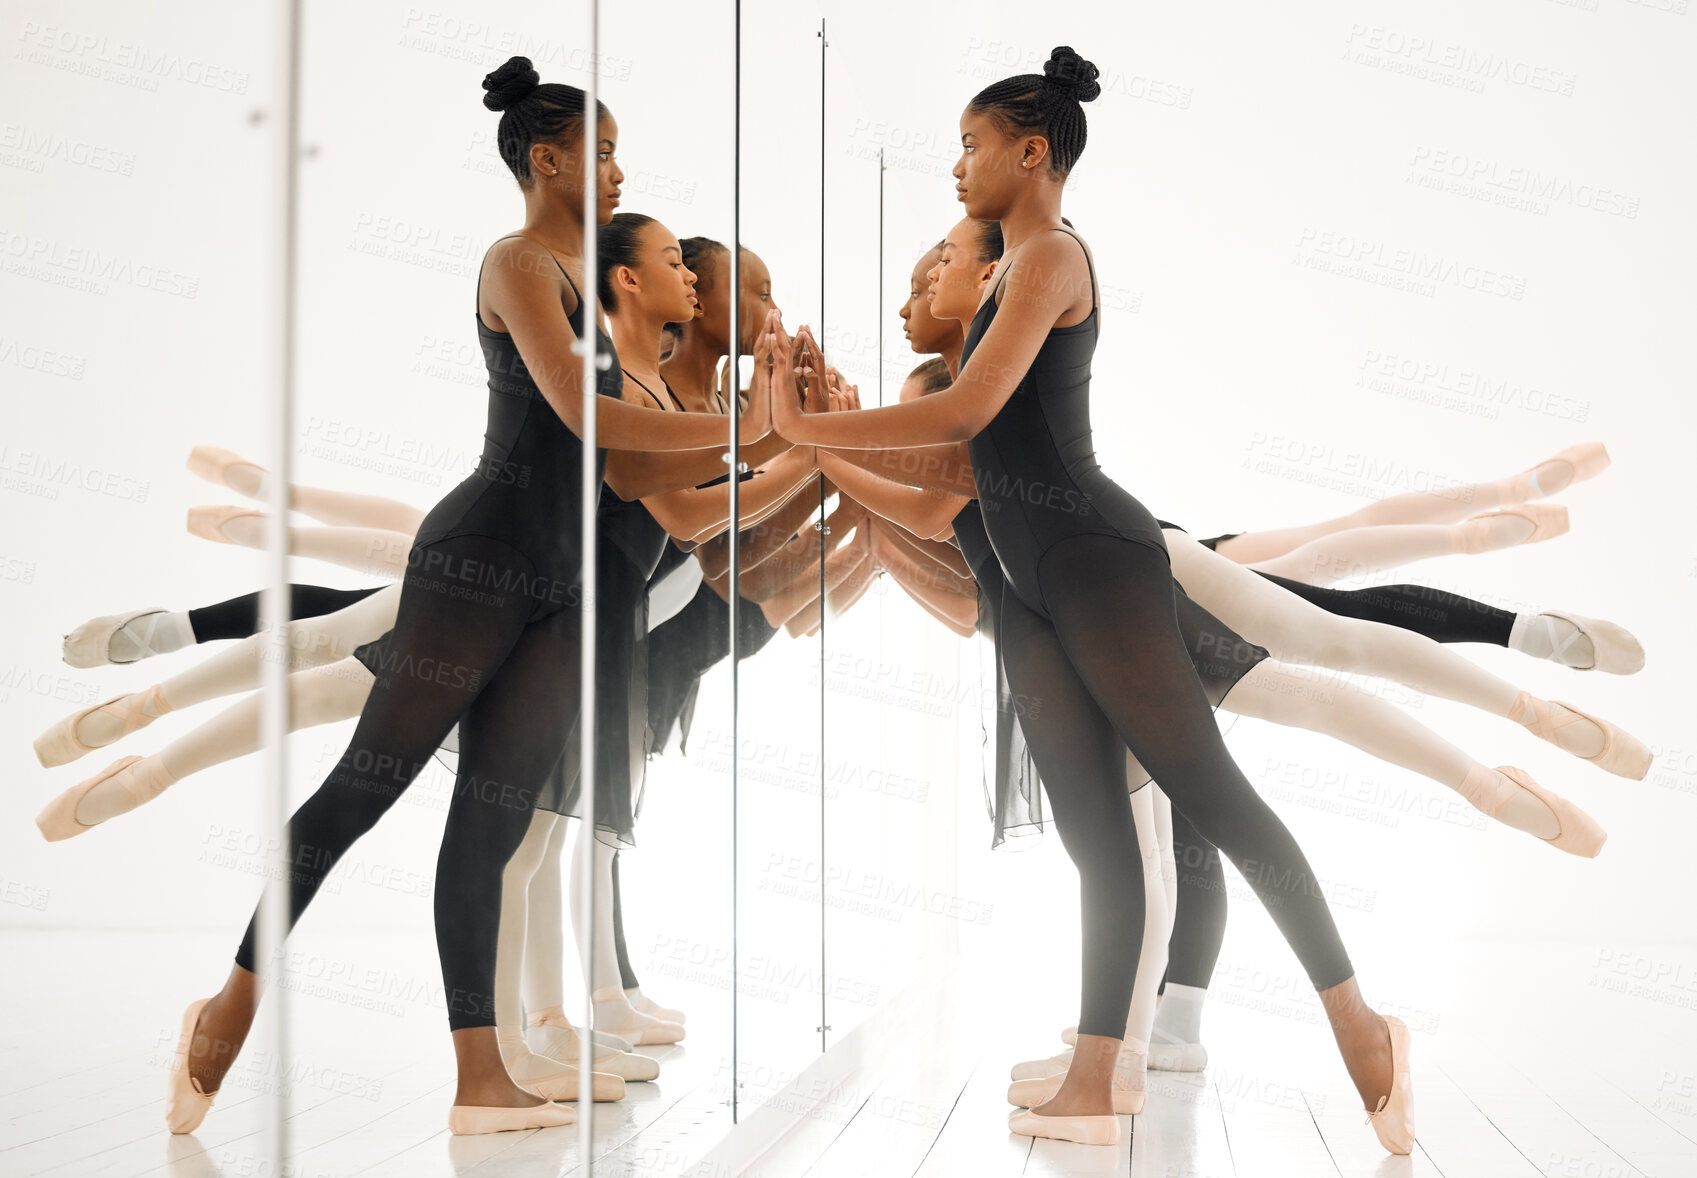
(315,279)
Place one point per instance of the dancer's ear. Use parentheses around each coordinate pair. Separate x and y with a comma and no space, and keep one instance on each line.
(988,272)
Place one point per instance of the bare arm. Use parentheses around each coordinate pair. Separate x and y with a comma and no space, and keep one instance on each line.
(924,513)
(765,539)
(521,285)
(1033,302)
(699,513)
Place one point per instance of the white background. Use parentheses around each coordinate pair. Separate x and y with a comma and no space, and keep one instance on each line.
(1235,149)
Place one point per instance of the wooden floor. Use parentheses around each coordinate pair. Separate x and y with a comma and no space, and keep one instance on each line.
(1584,1067)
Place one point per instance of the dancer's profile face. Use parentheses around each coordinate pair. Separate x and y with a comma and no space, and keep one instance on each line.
(925,334)
(659,284)
(561,166)
(715,300)
(990,167)
(956,282)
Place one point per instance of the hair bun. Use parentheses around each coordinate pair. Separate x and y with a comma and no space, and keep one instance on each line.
(510,84)
(1067,70)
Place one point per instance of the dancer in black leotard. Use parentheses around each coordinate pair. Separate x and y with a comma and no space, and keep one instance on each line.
(1088,624)
(487,631)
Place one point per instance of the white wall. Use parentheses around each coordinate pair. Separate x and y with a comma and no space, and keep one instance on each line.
(1239,385)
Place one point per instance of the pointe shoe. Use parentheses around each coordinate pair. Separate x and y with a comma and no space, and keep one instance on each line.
(1393,1120)
(1588,460)
(208,522)
(1489,791)
(88,645)
(653,1009)
(555,1017)
(1177,1057)
(1084,1130)
(59,744)
(186,1105)
(467,1119)
(639,1028)
(1548,521)
(1039,1069)
(1128,1098)
(213,464)
(58,820)
(560,1082)
(1614,650)
(1580,833)
(1622,754)
(562,1045)
(649,1033)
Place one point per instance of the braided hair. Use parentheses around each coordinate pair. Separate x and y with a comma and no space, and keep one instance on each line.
(618,243)
(1046,104)
(531,112)
(701,255)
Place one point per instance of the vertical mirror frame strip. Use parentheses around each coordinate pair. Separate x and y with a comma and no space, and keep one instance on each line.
(591,498)
(733,466)
(277,422)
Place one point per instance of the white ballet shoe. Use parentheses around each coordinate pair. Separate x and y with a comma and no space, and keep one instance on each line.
(208,522)
(1393,1120)
(1177,1057)
(464,1120)
(652,1008)
(89,645)
(1038,1069)
(563,1045)
(1614,650)
(58,820)
(60,745)
(1083,1130)
(186,1105)
(555,1016)
(213,464)
(1128,1089)
(1622,754)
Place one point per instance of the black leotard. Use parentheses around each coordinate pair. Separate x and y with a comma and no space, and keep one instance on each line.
(1089,634)
(530,475)
(1035,464)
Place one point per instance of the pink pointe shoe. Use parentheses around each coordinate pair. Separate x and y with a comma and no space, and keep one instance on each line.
(1622,754)
(1588,460)
(1128,1091)
(213,464)
(1489,791)
(58,820)
(1548,521)
(59,745)
(208,522)
(1096,1130)
(465,1120)
(186,1105)
(1393,1120)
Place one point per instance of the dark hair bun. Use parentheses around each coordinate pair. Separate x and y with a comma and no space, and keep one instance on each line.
(1072,73)
(510,84)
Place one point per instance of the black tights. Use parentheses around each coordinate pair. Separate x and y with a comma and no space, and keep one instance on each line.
(1199,921)
(1438,614)
(1109,671)
(463,650)
(239,616)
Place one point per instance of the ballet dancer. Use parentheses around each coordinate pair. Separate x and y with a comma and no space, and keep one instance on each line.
(514,644)
(1105,687)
